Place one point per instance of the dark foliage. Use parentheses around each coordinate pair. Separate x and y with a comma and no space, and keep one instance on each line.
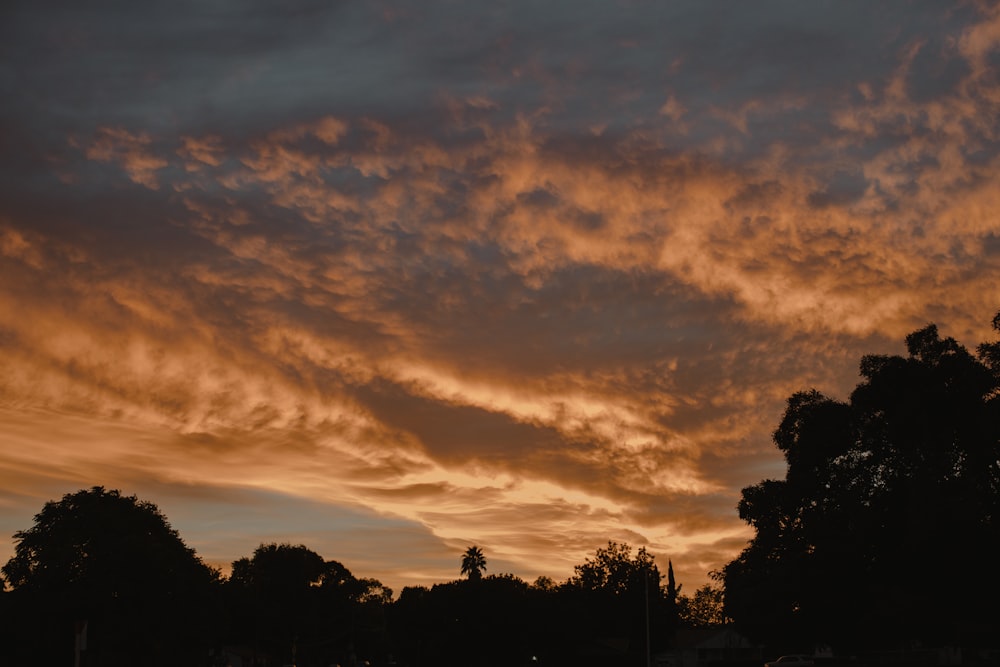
(597,617)
(487,621)
(473,563)
(111,562)
(616,594)
(288,604)
(115,563)
(884,530)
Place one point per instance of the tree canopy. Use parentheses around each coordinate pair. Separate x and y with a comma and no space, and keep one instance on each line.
(886,523)
(287,601)
(113,562)
(705,607)
(473,563)
(101,537)
(618,597)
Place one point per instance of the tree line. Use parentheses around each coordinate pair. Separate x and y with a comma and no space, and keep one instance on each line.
(101,578)
(883,533)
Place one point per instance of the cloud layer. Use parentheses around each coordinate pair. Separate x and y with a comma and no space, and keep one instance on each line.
(391,279)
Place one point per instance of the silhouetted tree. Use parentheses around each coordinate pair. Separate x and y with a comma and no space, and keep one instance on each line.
(288,602)
(705,607)
(617,596)
(485,622)
(411,628)
(614,570)
(276,598)
(597,617)
(886,524)
(473,563)
(113,562)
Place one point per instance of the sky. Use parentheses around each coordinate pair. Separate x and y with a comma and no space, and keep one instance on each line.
(392,278)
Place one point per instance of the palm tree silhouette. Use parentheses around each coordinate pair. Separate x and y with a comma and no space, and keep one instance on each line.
(473,563)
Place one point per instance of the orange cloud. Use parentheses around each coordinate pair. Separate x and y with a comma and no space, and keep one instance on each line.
(489,331)
(131,151)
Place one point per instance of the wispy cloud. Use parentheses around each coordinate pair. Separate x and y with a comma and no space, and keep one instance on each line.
(519,277)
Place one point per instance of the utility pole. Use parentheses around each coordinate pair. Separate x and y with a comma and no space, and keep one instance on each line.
(80,647)
(646,589)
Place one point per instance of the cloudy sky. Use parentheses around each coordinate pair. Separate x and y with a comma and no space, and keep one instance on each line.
(392,278)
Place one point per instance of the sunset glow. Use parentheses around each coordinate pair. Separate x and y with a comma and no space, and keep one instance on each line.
(389,279)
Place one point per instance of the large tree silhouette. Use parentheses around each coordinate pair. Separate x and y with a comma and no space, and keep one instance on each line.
(487,622)
(112,562)
(885,527)
(288,603)
(619,605)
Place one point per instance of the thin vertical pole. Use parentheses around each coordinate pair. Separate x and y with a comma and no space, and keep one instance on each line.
(646,587)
